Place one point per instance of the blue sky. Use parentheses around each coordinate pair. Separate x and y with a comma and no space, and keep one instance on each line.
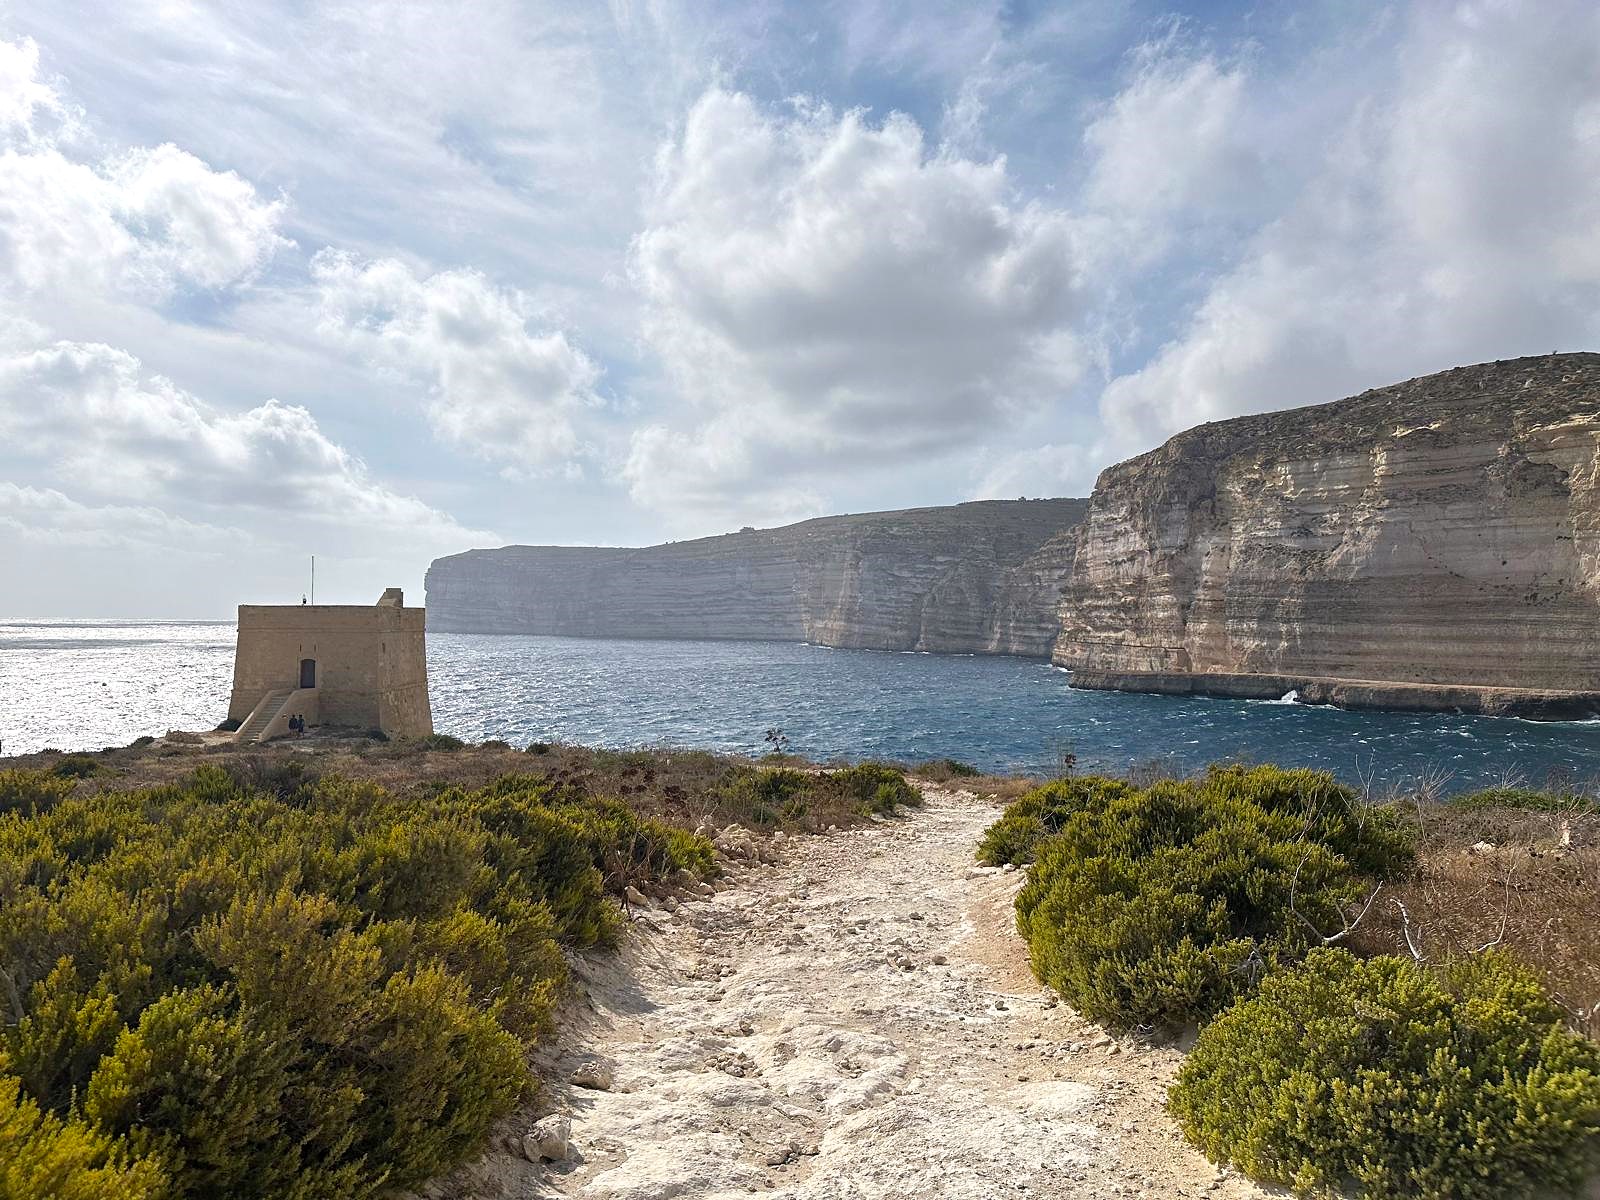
(382,282)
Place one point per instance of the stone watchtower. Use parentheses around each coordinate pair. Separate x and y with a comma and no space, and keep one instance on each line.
(333,664)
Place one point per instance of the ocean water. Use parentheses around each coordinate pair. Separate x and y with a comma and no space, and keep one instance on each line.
(88,684)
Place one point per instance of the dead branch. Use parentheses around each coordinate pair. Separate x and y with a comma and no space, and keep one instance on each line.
(1505,913)
(13,995)
(1413,943)
(1329,939)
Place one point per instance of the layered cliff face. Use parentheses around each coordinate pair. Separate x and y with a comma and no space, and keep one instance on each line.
(1438,539)
(983,577)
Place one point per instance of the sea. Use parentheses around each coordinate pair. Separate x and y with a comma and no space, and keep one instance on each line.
(83,685)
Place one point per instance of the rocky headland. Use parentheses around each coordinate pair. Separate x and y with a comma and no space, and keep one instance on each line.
(1428,545)
(982,577)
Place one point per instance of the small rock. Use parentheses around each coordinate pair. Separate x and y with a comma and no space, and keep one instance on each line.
(1009,867)
(914,916)
(635,897)
(938,960)
(779,1157)
(550,1140)
(593,1074)
(1483,847)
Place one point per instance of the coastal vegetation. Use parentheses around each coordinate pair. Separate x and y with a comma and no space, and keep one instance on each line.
(259,976)
(1256,903)
(1157,906)
(1384,1077)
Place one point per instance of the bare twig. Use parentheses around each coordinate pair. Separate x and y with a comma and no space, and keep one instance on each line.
(1329,939)
(13,995)
(1505,913)
(1413,943)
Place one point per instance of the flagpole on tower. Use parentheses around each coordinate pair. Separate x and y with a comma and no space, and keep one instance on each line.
(313,579)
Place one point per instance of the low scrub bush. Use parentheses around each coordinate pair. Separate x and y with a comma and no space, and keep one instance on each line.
(768,795)
(259,983)
(31,792)
(76,766)
(1386,1078)
(437,741)
(876,788)
(43,1157)
(1159,906)
(941,770)
(1039,814)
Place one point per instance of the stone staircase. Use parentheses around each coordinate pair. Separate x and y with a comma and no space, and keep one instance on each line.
(262,716)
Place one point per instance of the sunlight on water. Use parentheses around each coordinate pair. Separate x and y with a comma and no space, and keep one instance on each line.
(87,684)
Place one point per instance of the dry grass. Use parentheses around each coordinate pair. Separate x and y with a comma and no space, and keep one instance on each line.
(685,787)
(1527,882)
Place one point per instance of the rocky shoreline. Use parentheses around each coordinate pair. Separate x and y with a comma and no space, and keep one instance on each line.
(1355,694)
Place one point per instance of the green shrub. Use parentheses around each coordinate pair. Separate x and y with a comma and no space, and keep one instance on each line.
(941,769)
(1160,906)
(45,1157)
(767,794)
(438,741)
(1390,1079)
(27,791)
(195,1088)
(1038,814)
(877,788)
(261,983)
(76,766)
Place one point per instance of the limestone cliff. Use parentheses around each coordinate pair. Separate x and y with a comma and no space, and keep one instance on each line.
(983,577)
(1431,544)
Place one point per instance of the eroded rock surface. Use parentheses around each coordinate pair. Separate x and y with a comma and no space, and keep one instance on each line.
(1431,544)
(983,577)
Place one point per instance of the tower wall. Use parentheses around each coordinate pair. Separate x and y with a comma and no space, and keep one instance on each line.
(372,669)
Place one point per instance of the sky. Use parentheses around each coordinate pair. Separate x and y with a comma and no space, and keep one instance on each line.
(381,282)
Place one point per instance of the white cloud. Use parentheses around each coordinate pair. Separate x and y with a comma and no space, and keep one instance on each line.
(143,223)
(1040,471)
(1172,139)
(830,294)
(1451,217)
(504,393)
(97,419)
(25,97)
(49,518)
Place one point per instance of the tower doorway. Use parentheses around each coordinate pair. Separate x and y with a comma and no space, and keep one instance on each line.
(308,672)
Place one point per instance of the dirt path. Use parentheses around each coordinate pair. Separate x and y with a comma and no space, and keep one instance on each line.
(858,1021)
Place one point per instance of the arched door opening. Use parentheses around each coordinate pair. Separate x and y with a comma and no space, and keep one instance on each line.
(308,672)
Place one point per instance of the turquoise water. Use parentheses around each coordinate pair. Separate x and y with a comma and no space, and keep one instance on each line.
(83,685)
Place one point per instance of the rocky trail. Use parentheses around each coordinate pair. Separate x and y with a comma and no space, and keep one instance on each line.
(856,1019)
